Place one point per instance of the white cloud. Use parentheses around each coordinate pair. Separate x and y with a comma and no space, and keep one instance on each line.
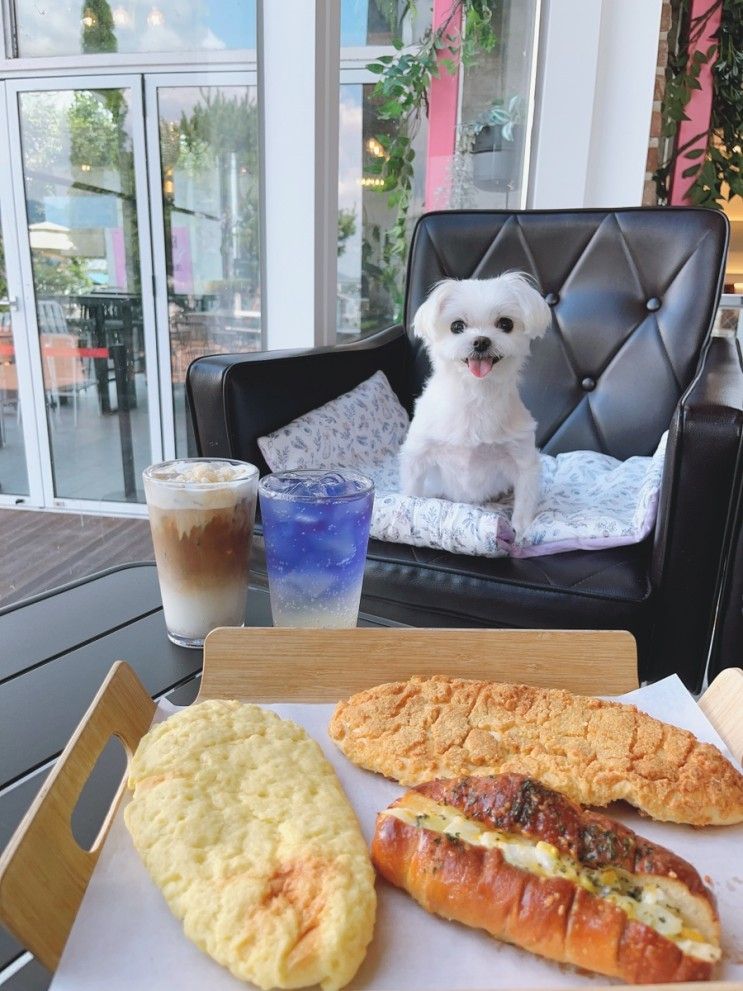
(211,42)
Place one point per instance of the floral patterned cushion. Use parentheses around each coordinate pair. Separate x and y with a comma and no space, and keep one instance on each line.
(361,427)
(588,501)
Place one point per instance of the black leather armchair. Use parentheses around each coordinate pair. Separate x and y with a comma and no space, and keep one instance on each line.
(633,294)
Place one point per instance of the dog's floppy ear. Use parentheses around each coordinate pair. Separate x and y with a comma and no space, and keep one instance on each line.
(535,313)
(427,314)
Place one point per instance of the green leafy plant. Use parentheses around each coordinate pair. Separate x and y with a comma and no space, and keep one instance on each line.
(402,97)
(60,276)
(346,227)
(98,29)
(504,116)
(97,137)
(715,155)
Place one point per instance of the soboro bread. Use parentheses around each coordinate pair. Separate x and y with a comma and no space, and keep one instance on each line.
(505,854)
(595,752)
(244,826)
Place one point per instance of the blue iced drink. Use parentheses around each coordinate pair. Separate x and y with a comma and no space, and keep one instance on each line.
(316,530)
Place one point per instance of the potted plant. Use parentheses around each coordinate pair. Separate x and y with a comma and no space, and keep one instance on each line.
(494,139)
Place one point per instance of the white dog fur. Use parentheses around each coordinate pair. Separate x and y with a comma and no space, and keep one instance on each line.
(472,438)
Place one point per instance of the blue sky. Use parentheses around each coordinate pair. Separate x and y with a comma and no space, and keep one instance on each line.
(233,18)
(225,16)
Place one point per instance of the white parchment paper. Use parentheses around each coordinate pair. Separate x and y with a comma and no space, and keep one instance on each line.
(125,937)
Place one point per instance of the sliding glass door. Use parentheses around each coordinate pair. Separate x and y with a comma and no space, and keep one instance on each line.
(138,237)
(202,139)
(20,472)
(85,256)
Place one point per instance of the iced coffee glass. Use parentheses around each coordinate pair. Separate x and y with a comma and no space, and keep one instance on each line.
(201,514)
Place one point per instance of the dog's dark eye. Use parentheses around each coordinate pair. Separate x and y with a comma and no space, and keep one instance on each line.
(505,324)
(457,327)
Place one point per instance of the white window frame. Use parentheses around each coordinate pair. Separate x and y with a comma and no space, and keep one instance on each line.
(594,102)
(18,317)
(124,63)
(299,171)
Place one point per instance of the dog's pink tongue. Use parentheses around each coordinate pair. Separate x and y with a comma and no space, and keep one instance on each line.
(480,366)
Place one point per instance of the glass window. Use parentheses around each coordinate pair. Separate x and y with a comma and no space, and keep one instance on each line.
(487,169)
(369,285)
(378,22)
(474,160)
(82,226)
(89,27)
(209,156)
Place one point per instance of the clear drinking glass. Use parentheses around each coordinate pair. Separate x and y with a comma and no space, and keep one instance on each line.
(316,531)
(201,513)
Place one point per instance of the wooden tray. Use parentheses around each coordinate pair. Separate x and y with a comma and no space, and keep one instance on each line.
(44,873)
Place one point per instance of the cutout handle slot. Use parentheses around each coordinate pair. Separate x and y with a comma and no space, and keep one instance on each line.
(44,871)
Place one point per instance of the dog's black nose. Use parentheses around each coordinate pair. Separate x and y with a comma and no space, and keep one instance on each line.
(481,343)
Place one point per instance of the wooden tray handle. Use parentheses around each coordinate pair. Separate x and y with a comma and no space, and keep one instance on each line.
(263,664)
(722,704)
(43,871)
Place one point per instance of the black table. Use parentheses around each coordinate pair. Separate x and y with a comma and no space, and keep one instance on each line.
(55,651)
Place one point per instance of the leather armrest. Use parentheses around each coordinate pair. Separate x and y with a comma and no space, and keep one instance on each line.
(695,499)
(234,399)
(727,645)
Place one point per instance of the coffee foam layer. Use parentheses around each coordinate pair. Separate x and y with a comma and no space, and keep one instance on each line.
(201,472)
(199,485)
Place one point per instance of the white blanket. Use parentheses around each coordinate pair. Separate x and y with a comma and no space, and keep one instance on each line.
(588,500)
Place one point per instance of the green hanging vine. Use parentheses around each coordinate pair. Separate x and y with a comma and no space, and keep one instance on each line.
(715,165)
(402,95)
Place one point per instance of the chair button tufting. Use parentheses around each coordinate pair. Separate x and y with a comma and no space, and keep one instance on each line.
(552,299)
(653,304)
(588,384)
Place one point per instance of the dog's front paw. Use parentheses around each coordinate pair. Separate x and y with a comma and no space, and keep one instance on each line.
(520,522)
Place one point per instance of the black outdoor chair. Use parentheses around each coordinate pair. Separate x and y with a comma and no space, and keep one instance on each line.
(633,294)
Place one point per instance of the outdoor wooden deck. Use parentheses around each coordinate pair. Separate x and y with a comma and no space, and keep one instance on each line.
(39,551)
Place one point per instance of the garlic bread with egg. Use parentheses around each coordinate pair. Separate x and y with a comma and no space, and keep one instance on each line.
(506,854)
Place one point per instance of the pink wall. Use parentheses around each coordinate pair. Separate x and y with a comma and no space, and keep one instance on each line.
(182,261)
(118,248)
(442,119)
(699,108)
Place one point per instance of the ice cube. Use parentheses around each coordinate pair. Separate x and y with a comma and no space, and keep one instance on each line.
(311,485)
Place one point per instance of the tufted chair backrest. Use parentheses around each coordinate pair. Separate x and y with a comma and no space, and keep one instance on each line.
(633,294)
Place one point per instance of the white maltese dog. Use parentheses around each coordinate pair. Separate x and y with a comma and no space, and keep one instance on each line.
(472,438)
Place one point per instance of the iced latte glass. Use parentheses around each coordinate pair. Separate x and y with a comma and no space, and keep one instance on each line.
(316,530)
(201,513)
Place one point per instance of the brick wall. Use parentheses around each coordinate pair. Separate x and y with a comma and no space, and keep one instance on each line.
(649,197)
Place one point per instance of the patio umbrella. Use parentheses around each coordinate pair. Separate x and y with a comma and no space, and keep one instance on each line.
(46,236)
